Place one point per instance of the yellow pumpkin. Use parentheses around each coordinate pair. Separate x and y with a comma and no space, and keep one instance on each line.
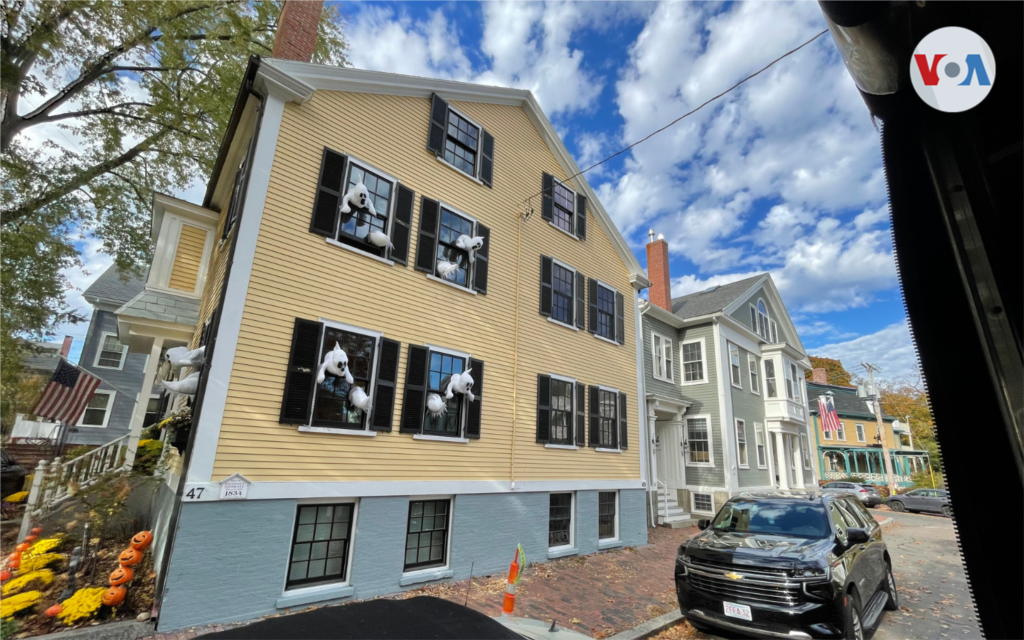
(121,575)
(114,596)
(130,557)
(142,540)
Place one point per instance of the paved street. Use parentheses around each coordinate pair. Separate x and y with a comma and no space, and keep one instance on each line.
(934,600)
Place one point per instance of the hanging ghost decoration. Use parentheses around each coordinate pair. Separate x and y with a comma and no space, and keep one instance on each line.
(447,270)
(379,239)
(359,196)
(470,245)
(436,405)
(335,363)
(359,399)
(186,386)
(461,383)
(182,357)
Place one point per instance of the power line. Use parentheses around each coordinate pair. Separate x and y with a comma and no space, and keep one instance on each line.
(688,113)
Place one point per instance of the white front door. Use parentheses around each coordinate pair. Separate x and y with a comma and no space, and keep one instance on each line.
(669,456)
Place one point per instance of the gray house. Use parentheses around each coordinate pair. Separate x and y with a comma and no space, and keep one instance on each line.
(724,374)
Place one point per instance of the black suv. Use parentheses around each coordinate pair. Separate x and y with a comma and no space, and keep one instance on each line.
(787,565)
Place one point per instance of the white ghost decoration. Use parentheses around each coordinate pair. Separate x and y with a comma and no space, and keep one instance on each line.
(379,239)
(470,245)
(436,405)
(359,399)
(335,362)
(182,357)
(358,196)
(461,383)
(186,386)
(447,270)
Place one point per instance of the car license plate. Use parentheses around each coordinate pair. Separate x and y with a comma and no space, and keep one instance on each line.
(741,611)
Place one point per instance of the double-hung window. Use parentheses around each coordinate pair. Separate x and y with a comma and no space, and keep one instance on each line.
(662,347)
(741,444)
(759,321)
(563,213)
(775,332)
(560,515)
(438,250)
(461,143)
(769,378)
(321,544)
(563,208)
(693,361)
(826,432)
(426,542)
(789,370)
(607,515)
(762,456)
(97,412)
(332,403)
(608,429)
(752,365)
(734,366)
(698,442)
(562,301)
(561,403)
(795,377)
(451,227)
(152,412)
(458,141)
(861,436)
(112,353)
(605,312)
(358,223)
(442,367)
(563,394)
(805,448)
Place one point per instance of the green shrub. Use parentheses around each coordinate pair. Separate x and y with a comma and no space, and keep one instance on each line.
(853,479)
(74,452)
(146,457)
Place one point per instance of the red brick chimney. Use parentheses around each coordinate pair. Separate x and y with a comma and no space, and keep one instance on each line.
(65,348)
(658,273)
(296,30)
(819,376)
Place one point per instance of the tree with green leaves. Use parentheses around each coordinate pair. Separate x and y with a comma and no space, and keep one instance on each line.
(834,369)
(905,399)
(104,102)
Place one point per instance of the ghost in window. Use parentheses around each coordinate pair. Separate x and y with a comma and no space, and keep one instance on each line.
(461,383)
(436,405)
(359,399)
(470,245)
(359,196)
(335,363)
(379,239)
(186,387)
(447,270)
(183,357)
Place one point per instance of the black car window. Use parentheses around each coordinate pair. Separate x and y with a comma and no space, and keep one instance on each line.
(862,511)
(837,518)
(853,516)
(784,517)
(829,485)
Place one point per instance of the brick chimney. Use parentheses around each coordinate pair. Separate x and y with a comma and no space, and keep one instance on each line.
(296,30)
(658,273)
(819,376)
(65,348)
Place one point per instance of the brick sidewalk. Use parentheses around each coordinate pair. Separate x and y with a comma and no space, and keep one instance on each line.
(599,594)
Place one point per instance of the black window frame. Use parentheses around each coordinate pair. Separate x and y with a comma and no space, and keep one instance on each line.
(561,518)
(155,413)
(458,144)
(370,383)
(601,302)
(569,414)
(603,515)
(607,424)
(559,297)
(346,556)
(446,249)
(559,212)
(457,404)
(447,517)
(355,241)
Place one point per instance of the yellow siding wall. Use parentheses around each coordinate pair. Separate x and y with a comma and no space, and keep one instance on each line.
(214,279)
(297,274)
(870,431)
(187,258)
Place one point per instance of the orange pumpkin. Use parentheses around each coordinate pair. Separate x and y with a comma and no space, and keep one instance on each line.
(5,575)
(24,546)
(55,610)
(142,540)
(130,557)
(121,575)
(14,561)
(114,596)
(37,530)
(30,538)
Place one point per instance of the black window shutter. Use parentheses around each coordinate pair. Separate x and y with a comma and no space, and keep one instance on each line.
(581,216)
(592,296)
(481,265)
(328,194)
(595,428)
(387,381)
(547,197)
(475,409)
(414,397)
(300,380)
(581,414)
(623,423)
(620,318)
(438,124)
(543,408)
(545,286)
(487,160)
(402,230)
(427,243)
(581,300)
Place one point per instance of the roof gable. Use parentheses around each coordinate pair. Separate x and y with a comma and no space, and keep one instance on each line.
(110,287)
(713,299)
(848,405)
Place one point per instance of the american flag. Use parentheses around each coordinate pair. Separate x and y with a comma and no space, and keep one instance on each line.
(67,393)
(827,412)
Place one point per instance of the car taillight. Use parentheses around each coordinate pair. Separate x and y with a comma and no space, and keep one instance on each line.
(863,490)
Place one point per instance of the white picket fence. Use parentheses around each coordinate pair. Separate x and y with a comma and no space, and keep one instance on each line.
(54,482)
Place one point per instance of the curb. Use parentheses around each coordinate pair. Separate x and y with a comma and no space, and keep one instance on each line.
(885,522)
(124,630)
(651,627)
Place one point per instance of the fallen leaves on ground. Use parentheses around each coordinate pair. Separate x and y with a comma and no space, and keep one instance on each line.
(682,631)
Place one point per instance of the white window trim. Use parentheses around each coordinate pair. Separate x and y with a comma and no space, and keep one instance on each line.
(371,333)
(827,435)
(106,412)
(842,431)
(787,372)
(392,201)
(805,450)
(461,438)
(710,464)
(754,372)
(741,427)
(862,432)
(346,574)
(703,362)
(608,541)
(99,352)
(733,348)
(572,521)
(759,430)
(774,332)
(775,378)
(415,573)
(767,320)
(572,298)
(614,319)
(693,502)
(424,436)
(479,150)
(367,254)
(666,353)
(568,186)
(616,426)
(572,414)
(471,271)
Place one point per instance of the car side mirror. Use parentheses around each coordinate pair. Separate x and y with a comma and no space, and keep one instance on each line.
(857,536)
(703,523)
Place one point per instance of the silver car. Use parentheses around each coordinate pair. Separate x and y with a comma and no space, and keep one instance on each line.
(933,500)
(863,492)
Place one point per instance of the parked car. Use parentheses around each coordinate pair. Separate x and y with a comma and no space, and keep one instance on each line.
(12,475)
(864,492)
(787,565)
(934,500)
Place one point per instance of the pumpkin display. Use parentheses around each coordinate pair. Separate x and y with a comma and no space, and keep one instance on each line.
(14,560)
(114,596)
(121,575)
(24,546)
(37,530)
(5,575)
(55,610)
(141,540)
(31,538)
(130,557)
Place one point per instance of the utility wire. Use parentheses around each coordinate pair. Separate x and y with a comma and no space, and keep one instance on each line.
(688,113)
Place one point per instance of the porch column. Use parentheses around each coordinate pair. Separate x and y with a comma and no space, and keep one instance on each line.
(780,460)
(798,455)
(652,486)
(139,414)
(846,463)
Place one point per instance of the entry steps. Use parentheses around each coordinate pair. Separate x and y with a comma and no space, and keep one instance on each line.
(678,518)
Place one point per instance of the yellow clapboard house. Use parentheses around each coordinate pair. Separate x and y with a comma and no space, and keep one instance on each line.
(428,229)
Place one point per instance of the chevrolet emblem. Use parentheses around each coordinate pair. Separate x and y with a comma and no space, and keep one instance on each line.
(733,576)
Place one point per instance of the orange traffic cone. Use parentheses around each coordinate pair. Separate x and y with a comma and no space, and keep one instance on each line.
(513,578)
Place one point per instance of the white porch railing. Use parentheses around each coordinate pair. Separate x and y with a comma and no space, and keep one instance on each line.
(870,477)
(55,482)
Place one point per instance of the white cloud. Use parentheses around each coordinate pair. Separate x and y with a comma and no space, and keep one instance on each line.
(890,348)
(691,284)
(94,263)
(382,41)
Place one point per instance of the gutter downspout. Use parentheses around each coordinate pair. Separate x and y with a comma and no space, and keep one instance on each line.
(515,359)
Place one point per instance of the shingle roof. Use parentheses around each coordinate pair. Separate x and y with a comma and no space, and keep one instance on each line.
(110,286)
(846,401)
(159,305)
(45,361)
(711,300)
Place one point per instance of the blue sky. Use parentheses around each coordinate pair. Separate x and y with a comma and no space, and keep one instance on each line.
(782,175)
